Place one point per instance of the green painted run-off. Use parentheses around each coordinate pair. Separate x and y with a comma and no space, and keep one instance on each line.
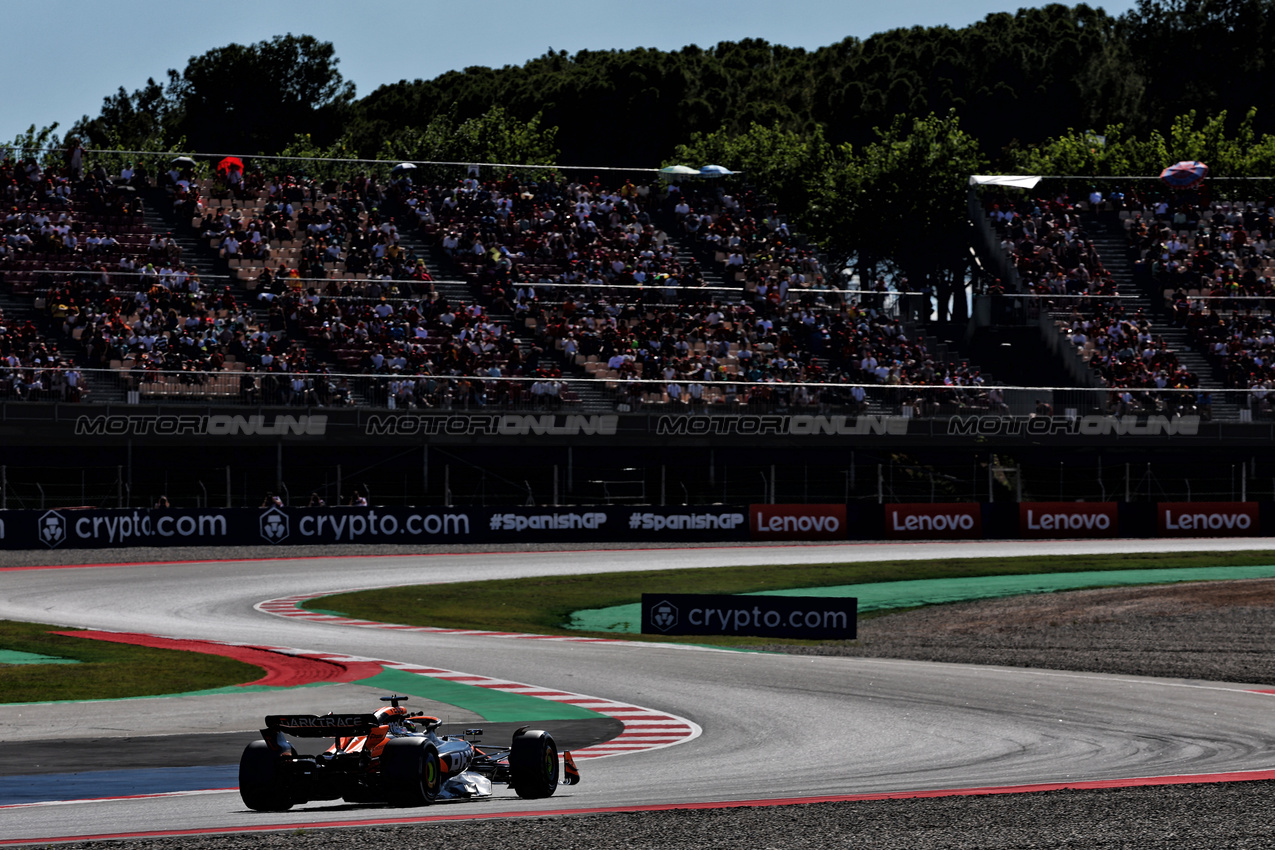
(491,704)
(13,656)
(881,596)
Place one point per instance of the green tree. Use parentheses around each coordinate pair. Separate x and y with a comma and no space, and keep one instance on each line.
(42,145)
(1115,152)
(321,162)
(785,166)
(901,201)
(256,98)
(234,99)
(1208,55)
(133,122)
(494,136)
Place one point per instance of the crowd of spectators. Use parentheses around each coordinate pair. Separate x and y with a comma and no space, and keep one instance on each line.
(1048,245)
(1050,249)
(594,275)
(32,367)
(568,278)
(729,353)
(1214,262)
(746,239)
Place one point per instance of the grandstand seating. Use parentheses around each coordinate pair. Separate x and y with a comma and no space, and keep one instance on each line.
(689,296)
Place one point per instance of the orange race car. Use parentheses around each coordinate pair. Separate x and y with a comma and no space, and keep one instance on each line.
(392,757)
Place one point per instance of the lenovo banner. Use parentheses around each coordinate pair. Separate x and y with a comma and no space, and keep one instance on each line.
(1207,519)
(962,521)
(1068,519)
(807,617)
(797,522)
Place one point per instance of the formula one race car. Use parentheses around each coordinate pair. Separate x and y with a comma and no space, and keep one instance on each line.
(392,757)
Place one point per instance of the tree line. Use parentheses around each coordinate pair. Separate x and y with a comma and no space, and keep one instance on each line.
(853,140)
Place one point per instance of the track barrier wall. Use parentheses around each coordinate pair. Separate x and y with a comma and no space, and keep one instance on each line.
(73,528)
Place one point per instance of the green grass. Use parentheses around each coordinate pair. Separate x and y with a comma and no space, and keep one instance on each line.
(107,670)
(544,605)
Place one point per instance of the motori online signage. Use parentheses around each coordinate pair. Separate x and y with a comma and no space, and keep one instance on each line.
(803,617)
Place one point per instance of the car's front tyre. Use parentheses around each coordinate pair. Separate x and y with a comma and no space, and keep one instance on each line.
(533,764)
(412,772)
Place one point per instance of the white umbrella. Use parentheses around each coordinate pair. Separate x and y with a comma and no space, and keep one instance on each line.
(676,172)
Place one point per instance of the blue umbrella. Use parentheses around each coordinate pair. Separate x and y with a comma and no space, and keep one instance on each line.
(1185,174)
(715,171)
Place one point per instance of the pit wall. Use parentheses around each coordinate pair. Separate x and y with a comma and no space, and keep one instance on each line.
(76,528)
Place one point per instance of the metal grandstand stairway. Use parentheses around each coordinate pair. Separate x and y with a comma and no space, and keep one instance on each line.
(455,290)
(195,254)
(1109,241)
(593,396)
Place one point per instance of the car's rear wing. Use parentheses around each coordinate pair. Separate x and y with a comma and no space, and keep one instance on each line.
(322,726)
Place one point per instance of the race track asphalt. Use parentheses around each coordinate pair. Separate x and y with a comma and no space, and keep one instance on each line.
(871,725)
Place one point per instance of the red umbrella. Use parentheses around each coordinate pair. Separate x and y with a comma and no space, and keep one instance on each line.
(229,163)
(1185,174)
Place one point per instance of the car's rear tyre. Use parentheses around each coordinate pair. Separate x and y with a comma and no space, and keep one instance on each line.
(533,764)
(412,772)
(261,784)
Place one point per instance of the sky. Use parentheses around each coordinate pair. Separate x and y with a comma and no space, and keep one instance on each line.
(61,59)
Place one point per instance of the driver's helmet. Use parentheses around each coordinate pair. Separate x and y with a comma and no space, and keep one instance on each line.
(396,718)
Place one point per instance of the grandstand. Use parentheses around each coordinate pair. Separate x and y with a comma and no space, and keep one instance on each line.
(683,342)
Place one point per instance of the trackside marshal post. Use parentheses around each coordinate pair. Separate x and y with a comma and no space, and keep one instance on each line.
(802,617)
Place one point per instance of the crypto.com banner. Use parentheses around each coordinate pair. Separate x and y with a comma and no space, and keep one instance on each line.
(98,529)
(807,617)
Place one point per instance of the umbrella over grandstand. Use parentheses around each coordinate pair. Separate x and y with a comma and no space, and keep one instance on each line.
(228,163)
(1185,175)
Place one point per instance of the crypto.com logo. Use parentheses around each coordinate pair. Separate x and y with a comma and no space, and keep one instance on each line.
(52,529)
(664,616)
(274,526)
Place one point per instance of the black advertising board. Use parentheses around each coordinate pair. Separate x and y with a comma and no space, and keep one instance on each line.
(802,617)
(76,528)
